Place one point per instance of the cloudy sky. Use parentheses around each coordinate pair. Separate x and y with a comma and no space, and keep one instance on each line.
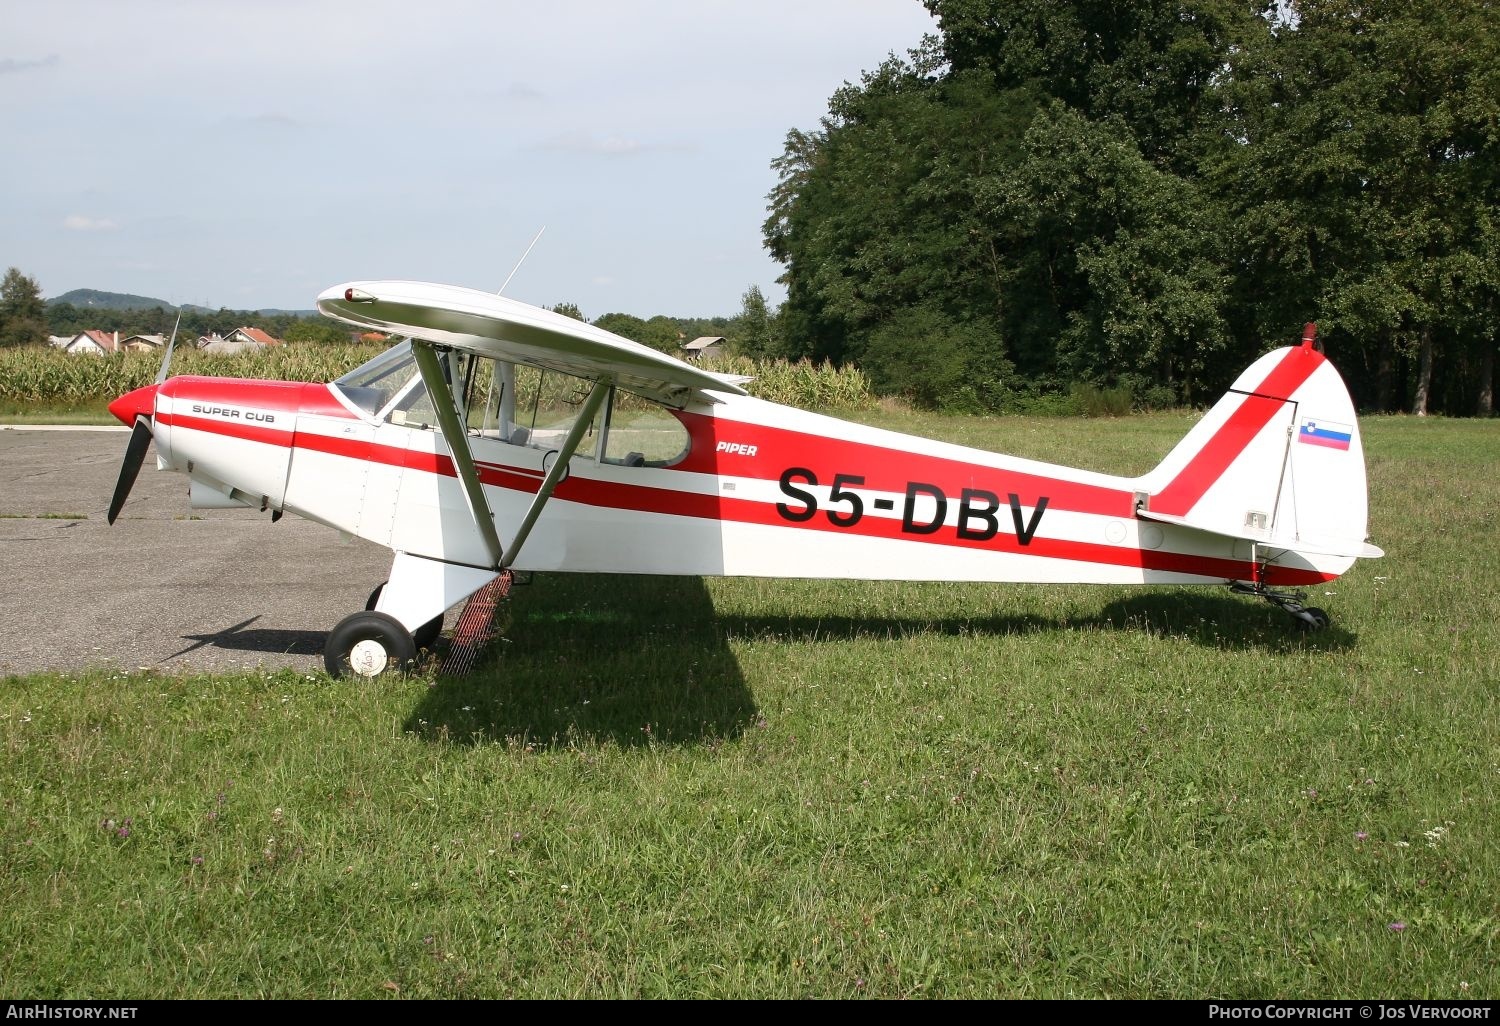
(249,153)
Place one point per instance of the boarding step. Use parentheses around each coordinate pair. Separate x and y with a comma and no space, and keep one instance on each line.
(476,626)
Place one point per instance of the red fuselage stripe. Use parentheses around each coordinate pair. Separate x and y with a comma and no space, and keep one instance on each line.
(883,469)
(647,499)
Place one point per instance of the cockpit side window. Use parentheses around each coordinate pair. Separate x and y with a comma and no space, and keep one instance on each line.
(519,404)
(374,383)
(412,405)
(641,433)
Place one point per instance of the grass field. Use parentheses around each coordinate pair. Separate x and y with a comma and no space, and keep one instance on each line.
(674,788)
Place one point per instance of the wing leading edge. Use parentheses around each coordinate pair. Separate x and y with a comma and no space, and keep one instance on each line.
(506,329)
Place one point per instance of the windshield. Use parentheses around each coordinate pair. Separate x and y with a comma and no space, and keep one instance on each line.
(372,384)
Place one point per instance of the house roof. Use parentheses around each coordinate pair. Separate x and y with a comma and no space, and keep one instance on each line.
(105,340)
(228,345)
(258,336)
(703,342)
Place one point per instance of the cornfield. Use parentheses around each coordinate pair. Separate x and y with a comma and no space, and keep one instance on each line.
(51,377)
(803,384)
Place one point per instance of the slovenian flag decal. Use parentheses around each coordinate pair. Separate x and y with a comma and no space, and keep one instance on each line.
(1327,433)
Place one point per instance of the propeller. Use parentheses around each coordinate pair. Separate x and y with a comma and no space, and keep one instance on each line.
(166,360)
(135,455)
(136,408)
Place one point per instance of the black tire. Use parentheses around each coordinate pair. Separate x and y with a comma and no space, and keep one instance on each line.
(369,645)
(424,635)
(1319,619)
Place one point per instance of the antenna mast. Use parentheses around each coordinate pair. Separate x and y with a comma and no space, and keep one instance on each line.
(521,261)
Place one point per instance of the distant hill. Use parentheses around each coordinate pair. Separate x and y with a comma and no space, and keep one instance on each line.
(93,299)
(96,300)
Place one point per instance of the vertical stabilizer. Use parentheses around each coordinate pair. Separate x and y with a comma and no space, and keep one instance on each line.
(1278,460)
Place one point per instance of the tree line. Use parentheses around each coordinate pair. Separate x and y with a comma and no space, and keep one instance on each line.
(26,319)
(1147,195)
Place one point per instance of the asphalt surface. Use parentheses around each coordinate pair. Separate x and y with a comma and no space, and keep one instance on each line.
(167,587)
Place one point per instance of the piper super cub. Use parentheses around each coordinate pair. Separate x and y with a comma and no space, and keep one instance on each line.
(500,437)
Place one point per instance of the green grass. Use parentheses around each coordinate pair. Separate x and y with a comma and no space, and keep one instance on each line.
(735,788)
(44,516)
(91,412)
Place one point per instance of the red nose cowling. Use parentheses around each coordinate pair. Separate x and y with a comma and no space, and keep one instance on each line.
(139,403)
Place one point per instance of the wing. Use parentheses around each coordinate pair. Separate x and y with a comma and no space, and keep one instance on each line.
(506,329)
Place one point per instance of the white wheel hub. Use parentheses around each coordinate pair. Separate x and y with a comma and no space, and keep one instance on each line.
(368,658)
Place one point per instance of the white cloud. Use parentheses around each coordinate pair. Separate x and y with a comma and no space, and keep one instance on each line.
(271,121)
(611,146)
(11,64)
(80,223)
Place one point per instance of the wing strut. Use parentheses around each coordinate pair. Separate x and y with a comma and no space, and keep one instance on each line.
(559,466)
(458,445)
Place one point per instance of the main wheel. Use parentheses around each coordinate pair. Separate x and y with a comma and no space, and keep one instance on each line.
(369,645)
(424,635)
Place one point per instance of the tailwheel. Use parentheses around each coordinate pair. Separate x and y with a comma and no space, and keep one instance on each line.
(424,635)
(369,645)
(1311,619)
(1304,618)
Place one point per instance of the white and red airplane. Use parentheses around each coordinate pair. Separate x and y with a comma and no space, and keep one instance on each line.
(501,437)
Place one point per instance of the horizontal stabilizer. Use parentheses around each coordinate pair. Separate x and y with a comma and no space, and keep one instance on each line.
(1351,549)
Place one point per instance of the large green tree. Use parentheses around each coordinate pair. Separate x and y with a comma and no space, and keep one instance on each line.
(1006,180)
(754,332)
(1363,171)
(1152,193)
(23,315)
(1150,63)
(1117,270)
(880,212)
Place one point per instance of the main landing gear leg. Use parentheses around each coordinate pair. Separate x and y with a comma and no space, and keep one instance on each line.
(424,635)
(403,615)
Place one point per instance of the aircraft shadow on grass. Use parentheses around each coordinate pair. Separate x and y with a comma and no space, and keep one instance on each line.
(1217,621)
(646,660)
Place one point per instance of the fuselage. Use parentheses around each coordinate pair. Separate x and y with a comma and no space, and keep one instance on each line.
(759,489)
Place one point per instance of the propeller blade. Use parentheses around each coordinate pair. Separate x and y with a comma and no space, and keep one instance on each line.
(135,455)
(166,361)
